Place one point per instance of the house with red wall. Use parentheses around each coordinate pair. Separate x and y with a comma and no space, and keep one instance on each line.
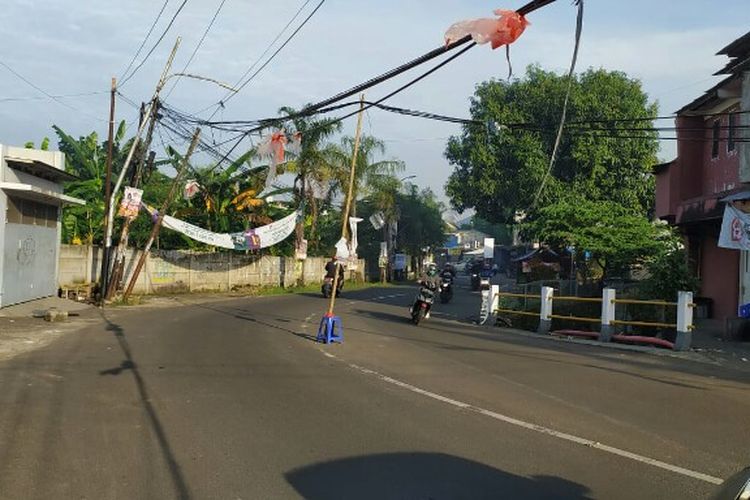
(712,168)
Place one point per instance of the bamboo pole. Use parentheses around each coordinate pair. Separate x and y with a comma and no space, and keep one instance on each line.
(348,205)
(162,211)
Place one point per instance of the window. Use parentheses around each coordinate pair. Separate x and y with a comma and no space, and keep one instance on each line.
(32,213)
(715,139)
(732,130)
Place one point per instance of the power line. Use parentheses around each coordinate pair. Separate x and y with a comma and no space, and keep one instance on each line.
(47,94)
(247,72)
(64,96)
(289,39)
(164,33)
(143,43)
(197,47)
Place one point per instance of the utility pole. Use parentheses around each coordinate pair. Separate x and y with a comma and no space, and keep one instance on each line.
(348,205)
(104,274)
(129,158)
(162,212)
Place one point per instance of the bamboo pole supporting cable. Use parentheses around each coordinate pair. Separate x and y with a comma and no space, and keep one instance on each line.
(348,204)
(165,206)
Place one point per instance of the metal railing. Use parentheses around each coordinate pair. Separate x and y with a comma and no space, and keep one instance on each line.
(684,311)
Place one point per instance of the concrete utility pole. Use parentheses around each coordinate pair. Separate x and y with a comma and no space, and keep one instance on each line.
(129,158)
(104,274)
(162,212)
(345,222)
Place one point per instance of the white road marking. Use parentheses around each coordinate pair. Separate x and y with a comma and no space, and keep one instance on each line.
(538,428)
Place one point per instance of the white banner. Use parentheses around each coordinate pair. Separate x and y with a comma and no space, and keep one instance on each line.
(353,221)
(489,248)
(735,229)
(252,239)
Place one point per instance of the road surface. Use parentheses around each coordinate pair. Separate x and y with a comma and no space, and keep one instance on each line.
(234,400)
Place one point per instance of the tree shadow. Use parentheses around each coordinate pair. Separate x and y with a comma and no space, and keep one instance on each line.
(175,471)
(422,476)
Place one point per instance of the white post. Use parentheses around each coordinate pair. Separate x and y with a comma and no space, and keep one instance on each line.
(494,298)
(684,321)
(545,312)
(608,314)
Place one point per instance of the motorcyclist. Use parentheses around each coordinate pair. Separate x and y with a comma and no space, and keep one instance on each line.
(331,270)
(430,275)
(431,279)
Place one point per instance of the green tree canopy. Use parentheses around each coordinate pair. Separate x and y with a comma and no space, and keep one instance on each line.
(498,170)
(614,236)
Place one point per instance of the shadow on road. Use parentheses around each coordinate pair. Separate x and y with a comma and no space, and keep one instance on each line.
(424,476)
(180,486)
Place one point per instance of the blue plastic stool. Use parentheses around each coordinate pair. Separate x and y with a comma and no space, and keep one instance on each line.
(330,330)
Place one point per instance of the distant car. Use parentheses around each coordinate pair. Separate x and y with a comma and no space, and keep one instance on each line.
(460,267)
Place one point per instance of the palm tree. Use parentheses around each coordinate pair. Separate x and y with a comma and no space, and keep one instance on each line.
(311,165)
(368,173)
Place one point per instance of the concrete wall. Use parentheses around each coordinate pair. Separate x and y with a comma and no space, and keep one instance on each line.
(184,271)
(719,275)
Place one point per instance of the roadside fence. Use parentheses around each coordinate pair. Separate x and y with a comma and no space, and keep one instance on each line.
(611,324)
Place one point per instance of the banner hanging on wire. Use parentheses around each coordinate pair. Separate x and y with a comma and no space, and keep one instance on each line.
(252,239)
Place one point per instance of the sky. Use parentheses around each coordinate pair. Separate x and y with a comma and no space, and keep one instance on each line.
(71,47)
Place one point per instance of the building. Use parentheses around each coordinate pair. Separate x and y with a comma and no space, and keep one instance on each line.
(712,168)
(31,195)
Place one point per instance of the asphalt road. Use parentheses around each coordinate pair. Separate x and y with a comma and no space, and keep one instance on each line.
(234,400)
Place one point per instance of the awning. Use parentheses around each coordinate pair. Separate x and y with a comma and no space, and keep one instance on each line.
(39,169)
(36,193)
(742,195)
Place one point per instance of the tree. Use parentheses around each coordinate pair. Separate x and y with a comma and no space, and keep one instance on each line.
(367,172)
(86,158)
(616,238)
(499,172)
(421,222)
(311,165)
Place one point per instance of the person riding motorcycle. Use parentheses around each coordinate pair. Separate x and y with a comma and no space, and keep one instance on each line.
(330,269)
(429,278)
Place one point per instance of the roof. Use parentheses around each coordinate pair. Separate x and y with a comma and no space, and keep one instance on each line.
(37,193)
(737,48)
(708,96)
(659,168)
(542,252)
(39,169)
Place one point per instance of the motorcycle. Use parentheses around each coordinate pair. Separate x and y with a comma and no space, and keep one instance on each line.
(422,305)
(327,287)
(475,281)
(446,288)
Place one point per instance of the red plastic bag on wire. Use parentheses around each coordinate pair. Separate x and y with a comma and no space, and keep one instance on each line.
(499,31)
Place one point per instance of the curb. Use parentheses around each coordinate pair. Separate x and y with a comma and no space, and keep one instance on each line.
(689,355)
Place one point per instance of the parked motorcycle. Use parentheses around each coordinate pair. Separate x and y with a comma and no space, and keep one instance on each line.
(446,287)
(423,304)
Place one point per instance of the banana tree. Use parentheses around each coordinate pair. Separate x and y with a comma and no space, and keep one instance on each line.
(86,158)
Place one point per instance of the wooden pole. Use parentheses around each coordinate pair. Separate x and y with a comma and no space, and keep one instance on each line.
(119,256)
(104,274)
(348,205)
(162,212)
